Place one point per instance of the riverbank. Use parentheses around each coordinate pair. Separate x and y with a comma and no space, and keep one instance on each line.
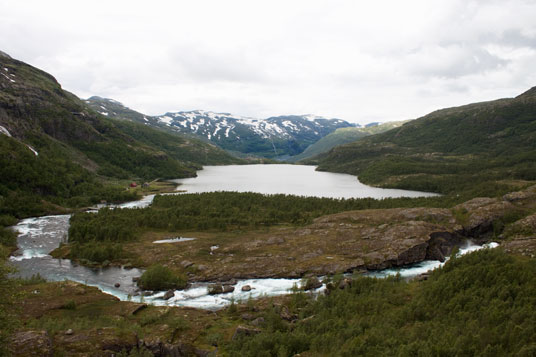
(74,319)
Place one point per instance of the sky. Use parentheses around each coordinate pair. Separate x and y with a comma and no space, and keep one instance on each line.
(361,61)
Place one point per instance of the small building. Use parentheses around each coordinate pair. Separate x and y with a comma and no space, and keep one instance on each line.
(145,185)
(133,184)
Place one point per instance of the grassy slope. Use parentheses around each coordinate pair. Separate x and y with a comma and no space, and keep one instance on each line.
(455,150)
(342,136)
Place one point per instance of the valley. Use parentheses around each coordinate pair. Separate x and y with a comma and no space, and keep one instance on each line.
(87,184)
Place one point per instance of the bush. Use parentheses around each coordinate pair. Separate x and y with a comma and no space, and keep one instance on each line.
(97,251)
(159,277)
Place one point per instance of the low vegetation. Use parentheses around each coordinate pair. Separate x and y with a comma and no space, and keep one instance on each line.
(483,304)
(159,277)
(224,211)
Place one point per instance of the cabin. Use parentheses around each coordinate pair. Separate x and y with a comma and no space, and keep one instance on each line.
(133,184)
(145,185)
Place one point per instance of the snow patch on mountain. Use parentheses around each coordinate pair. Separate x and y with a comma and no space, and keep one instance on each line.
(4,131)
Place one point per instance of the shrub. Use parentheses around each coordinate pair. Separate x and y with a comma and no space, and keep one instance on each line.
(97,251)
(159,277)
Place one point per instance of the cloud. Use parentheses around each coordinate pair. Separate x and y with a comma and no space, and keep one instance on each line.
(360,61)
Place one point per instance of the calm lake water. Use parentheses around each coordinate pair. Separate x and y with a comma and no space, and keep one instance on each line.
(298,180)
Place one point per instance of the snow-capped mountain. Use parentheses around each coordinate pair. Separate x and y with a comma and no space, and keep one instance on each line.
(272,137)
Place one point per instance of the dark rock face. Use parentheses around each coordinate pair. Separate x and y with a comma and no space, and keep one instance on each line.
(481,213)
(441,245)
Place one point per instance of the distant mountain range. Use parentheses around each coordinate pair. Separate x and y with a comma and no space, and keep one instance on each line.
(274,137)
(343,136)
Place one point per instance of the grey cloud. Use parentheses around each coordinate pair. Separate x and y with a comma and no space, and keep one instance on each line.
(453,61)
(512,38)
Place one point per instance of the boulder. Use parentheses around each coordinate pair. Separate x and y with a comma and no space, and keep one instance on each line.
(247,317)
(245,331)
(228,289)
(259,321)
(186,264)
(168,295)
(246,288)
(345,283)
(312,283)
(214,289)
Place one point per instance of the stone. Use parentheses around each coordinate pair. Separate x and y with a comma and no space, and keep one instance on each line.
(345,283)
(259,321)
(214,289)
(286,315)
(312,283)
(69,332)
(186,264)
(168,295)
(247,317)
(228,289)
(245,331)
(136,308)
(202,267)
(230,282)
(117,285)
(246,288)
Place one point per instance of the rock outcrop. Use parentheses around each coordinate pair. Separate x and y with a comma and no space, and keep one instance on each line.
(31,343)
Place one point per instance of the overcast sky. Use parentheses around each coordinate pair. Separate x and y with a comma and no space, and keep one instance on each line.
(355,60)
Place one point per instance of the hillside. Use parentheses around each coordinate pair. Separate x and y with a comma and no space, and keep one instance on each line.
(343,136)
(472,147)
(55,150)
(273,137)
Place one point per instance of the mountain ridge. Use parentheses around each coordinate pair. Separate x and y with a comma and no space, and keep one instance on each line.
(475,145)
(54,148)
(273,137)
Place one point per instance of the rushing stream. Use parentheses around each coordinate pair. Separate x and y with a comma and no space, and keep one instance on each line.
(40,235)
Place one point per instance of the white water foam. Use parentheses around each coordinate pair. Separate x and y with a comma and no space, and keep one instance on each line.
(173,240)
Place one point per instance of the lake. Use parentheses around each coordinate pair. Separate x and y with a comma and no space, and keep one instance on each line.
(40,235)
(298,180)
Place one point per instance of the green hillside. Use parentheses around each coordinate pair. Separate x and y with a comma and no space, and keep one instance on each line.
(473,148)
(342,136)
(77,149)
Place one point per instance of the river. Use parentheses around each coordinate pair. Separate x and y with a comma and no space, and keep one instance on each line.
(40,235)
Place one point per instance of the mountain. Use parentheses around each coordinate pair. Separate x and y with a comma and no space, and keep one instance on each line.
(53,148)
(343,136)
(272,137)
(113,109)
(476,146)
